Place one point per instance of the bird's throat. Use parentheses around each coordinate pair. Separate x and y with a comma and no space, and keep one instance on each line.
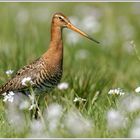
(56,33)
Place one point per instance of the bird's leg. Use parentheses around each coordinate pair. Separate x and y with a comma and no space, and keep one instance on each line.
(36,115)
(35,110)
(41,105)
(45,100)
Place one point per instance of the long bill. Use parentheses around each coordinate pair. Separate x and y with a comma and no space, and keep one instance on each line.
(72,27)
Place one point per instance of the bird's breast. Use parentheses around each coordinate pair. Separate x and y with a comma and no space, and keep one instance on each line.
(48,78)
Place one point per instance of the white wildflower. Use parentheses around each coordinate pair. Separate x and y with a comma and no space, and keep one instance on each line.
(9,97)
(27,81)
(54,111)
(137,121)
(91,24)
(24,105)
(127,29)
(135,130)
(130,103)
(137,90)
(127,46)
(63,86)
(115,119)
(15,118)
(53,115)
(37,129)
(117,91)
(82,54)
(78,99)
(22,17)
(72,38)
(36,126)
(9,72)
(4,94)
(76,123)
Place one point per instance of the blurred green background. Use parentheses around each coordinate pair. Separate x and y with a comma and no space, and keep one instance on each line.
(88,67)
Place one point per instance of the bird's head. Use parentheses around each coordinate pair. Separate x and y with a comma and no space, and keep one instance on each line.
(63,22)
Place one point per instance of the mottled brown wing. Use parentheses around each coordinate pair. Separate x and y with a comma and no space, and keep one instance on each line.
(31,70)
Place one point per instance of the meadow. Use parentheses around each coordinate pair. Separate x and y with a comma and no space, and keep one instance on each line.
(98,96)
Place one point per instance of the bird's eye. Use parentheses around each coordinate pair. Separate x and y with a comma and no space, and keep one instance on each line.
(60,18)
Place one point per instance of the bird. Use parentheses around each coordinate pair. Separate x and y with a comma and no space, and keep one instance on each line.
(46,71)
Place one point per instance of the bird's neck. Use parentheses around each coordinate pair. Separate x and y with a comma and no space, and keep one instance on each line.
(56,33)
(55,50)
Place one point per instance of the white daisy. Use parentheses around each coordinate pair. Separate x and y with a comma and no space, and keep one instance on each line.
(117,91)
(78,99)
(27,81)
(137,90)
(9,72)
(63,86)
(8,97)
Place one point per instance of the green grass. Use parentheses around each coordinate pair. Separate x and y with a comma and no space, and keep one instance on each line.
(110,65)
